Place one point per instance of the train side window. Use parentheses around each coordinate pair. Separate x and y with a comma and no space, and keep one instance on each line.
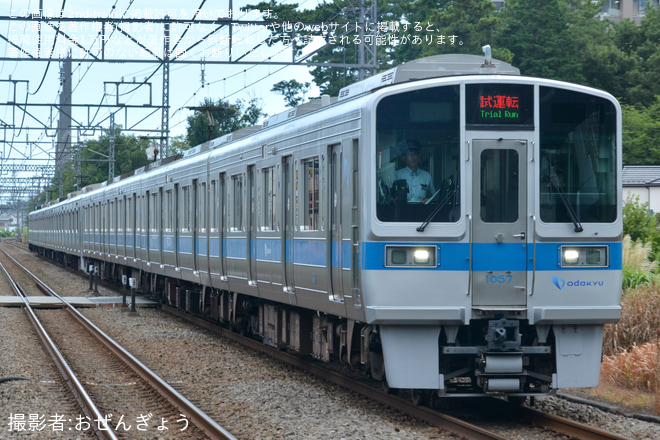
(120,216)
(141,224)
(268,212)
(221,205)
(310,184)
(202,197)
(213,204)
(95,224)
(185,209)
(236,203)
(113,216)
(167,211)
(130,215)
(154,223)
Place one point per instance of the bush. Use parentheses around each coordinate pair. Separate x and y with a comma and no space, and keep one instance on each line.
(634,369)
(633,278)
(641,225)
(637,266)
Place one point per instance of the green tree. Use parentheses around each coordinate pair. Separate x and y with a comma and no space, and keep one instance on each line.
(178,145)
(293,91)
(557,39)
(641,224)
(213,119)
(341,40)
(540,36)
(449,26)
(641,134)
(130,154)
(342,48)
(601,62)
(640,43)
(89,163)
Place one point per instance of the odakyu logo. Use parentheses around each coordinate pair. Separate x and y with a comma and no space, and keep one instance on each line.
(560,283)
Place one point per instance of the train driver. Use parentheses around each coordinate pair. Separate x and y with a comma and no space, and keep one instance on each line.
(420,182)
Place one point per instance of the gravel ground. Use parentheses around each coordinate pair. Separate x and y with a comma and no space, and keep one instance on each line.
(246,392)
(41,405)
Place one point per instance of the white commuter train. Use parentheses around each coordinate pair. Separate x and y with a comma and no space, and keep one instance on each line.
(301,231)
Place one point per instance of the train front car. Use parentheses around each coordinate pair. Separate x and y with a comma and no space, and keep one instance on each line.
(493,256)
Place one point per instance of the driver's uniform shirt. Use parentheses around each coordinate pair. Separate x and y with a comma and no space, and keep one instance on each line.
(420,183)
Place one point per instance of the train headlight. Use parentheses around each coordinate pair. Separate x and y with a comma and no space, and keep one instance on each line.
(421,256)
(584,256)
(570,256)
(406,256)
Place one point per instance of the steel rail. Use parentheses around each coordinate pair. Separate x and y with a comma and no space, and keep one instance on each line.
(85,402)
(566,426)
(443,421)
(560,425)
(197,417)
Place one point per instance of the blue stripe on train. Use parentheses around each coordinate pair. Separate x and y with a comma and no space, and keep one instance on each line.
(451,256)
(490,256)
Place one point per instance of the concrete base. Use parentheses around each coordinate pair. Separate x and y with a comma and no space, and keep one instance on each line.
(48,302)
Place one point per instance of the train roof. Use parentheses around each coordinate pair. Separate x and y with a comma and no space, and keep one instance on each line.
(436,66)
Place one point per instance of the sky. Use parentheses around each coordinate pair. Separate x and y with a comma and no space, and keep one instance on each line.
(37,83)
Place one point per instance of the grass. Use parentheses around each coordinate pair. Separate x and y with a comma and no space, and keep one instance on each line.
(640,320)
(631,380)
(630,371)
(635,369)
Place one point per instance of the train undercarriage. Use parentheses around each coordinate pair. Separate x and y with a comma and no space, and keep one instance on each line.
(490,356)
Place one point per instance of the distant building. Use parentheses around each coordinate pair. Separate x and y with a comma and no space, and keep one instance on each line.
(642,181)
(616,10)
(635,10)
(5,222)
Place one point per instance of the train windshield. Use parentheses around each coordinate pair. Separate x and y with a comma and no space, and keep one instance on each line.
(417,156)
(578,157)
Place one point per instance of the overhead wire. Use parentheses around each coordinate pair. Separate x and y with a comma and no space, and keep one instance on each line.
(255,66)
(243,72)
(51,50)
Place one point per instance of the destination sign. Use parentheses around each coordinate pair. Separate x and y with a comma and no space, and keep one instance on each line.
(499,106)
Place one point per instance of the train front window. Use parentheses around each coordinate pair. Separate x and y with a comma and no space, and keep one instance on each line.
(578,158)
(417,156)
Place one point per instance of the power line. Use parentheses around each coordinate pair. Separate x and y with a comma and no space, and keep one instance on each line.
(185,52)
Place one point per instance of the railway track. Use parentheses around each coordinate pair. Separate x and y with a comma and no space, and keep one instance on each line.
(460,425)
(561,426)
(119,397)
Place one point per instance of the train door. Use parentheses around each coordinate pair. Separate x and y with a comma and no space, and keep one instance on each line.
(195,220)
(104,229)
(153,226)
(176,225)
(335,231)
(251,227)
(202,227)
(148,220)
(288,209)
(140,221)
(499,223)
(221,205)
(160,215)
(122,216)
